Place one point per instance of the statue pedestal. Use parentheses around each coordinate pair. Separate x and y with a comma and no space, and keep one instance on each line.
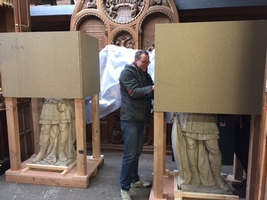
(171,191)
(46,176)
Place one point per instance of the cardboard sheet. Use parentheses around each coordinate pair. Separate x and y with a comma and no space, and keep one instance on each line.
(211,67)
(49,64)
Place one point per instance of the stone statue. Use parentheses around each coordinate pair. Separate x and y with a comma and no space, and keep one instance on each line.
(57,132)
(198,157)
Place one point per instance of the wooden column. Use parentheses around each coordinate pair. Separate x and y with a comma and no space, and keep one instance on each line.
(36,105)
(158,154)
(13,133)
(258,176)
(262,151)
(257,162)
(80,137)
(95,127)
(164,133)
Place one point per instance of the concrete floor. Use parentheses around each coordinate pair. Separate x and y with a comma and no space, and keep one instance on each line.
(104,186)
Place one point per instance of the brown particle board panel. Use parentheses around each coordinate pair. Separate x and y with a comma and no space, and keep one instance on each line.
(49,64)
(210,67)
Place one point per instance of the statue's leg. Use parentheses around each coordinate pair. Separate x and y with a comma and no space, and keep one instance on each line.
(215,159)
(192,152)
(64,134)
(44,142)
(51,158)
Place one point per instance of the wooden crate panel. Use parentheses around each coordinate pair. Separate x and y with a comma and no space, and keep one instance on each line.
(210,67)
(49,64)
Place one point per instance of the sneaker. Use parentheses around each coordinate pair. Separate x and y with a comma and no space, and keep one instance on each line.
(140,184)
(125,195)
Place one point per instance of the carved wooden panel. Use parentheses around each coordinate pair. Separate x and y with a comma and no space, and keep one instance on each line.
(122,21)
(25,131)
(111,132)
(128,23)
(95,27)
(148,29)
(4,153)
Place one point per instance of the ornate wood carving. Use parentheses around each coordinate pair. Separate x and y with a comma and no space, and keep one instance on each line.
(128,23)
(123,22)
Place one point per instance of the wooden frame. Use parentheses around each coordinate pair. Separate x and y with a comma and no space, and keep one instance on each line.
(76,78)
(86,165)
(256,177)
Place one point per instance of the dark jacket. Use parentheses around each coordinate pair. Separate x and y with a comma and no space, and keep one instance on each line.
(136,102)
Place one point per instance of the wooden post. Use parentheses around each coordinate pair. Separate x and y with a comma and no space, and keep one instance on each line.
(95,127)
(164,145)
(80,137)
(36,105)
(253,159)
(262,150)
(257,162)
(13,133)
(158,154)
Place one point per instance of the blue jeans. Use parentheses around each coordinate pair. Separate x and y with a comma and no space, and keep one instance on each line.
(133,138)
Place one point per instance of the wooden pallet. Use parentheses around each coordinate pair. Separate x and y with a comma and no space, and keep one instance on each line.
(64,169)
(54,176)
(180,195)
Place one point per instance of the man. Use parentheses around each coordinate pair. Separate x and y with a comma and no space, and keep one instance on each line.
(137,90)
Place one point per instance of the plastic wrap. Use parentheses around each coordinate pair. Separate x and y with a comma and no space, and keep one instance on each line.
(112,60)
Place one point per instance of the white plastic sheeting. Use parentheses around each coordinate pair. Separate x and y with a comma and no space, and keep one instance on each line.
(112,60)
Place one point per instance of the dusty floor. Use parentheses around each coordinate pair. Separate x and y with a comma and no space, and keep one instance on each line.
(104,186)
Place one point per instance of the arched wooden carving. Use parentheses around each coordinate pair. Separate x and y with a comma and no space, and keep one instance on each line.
(128,23)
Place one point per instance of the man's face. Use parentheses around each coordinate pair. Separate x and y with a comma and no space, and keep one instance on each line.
(143,62)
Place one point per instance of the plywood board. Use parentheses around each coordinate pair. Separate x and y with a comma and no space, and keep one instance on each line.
(211,67)
(49,64)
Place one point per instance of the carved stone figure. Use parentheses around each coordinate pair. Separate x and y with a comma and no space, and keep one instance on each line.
(130,45)
(135,9)
(155,2)
(198,155)
(91,4)
(124,39)
(123,11)
(112,9)
(150,48)
(57,134)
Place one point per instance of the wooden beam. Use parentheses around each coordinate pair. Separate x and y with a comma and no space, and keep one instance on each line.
(158,154)
(258,152)
(165,173)
(253,157)
(13,133)
(36,105)
(262,151)
(95,126)
(80,137)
